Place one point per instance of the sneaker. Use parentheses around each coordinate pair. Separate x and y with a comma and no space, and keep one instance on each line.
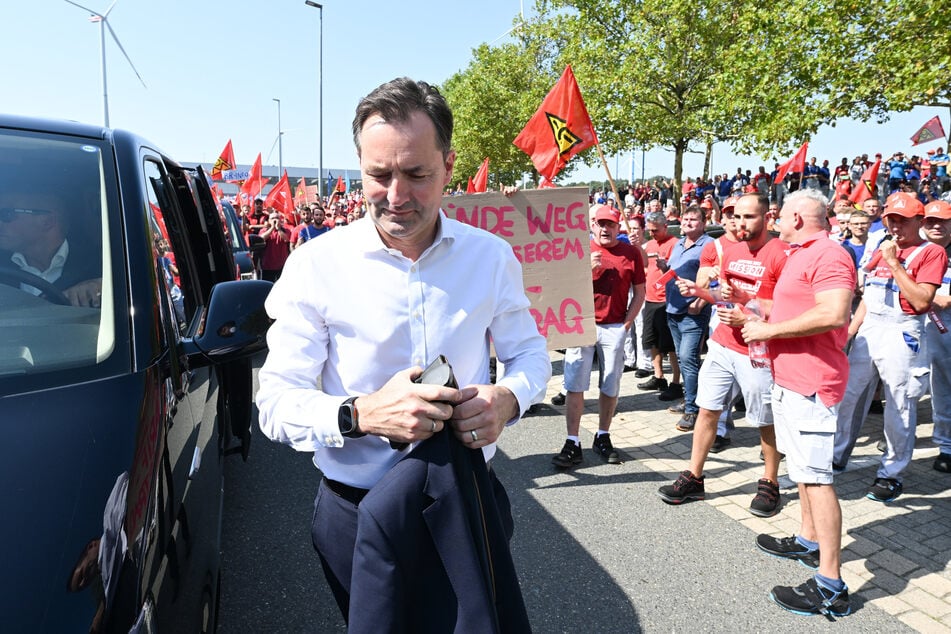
(884,490)
(558,399)
(766,501)
(686,422)
(641,373)
(686,488)
(942,463)
(673,392)
(603,447)
(678,408)
(811,598)
(720,443)
(653,383)
(570,455)
(788,548)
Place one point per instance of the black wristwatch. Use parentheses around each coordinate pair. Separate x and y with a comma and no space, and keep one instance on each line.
(347,419)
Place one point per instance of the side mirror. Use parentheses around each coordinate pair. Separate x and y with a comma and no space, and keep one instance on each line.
(234,325)
(256,243)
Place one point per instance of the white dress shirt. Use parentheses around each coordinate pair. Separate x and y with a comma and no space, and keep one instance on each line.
(354,312)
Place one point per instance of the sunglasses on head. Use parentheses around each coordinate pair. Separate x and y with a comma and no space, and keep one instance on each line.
(8,214)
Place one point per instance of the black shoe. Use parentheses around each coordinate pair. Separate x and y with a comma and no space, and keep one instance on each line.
(642,373)
(876,407)
(558,399)
(838,468)
(884,490)
(628,368)
(570,455)
(687,422)
(739,406)
(882,445)
(686,488)
(653,383)
(788,548)
(766,501)
(678,408)
(721,443)
(811,598)
(603,447)
(942,463)
(672,393)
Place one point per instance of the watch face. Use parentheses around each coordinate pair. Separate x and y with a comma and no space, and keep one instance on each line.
(345,418)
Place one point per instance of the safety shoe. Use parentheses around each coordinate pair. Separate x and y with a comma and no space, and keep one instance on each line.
(687,422)
(788,548)
(603,447)
(673,392)
(721,443)
(687,487)
(766,501)
(812,598)
(884,490)
(653,383)
(558,399)
(569,456)
(942,463)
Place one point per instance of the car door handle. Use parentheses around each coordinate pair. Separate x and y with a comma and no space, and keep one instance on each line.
(196,463)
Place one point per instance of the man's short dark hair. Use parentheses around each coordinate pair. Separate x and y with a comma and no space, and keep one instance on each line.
(697,210)
(396,101)
(762,201)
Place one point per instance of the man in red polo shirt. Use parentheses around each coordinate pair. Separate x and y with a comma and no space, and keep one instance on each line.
(889,329)
(657,336)
(806,331)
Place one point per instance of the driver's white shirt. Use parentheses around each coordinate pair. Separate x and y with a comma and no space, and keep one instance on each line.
(53,273)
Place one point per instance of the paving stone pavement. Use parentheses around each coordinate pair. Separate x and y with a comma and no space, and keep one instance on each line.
(896,555)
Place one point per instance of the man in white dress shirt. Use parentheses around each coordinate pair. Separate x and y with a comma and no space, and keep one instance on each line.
(410,284)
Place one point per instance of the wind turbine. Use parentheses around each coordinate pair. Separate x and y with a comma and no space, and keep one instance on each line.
(102,19)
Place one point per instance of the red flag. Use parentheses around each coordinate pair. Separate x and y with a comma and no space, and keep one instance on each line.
(300,194)
(544,183)
(340,187)
(224,162)
(280,198)
(930,131)
(216,191)
(481,180)
(865,188)
(559,129)
(255,183)
(470,188)
(796,164)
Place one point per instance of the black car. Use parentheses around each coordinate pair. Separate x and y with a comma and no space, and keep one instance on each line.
(124,381)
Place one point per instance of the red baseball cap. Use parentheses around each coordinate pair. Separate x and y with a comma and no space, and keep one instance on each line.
(903,204)
(603,212)
(730,203)
(938,209)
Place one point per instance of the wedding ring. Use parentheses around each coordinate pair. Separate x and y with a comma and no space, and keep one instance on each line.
(433,430)
(475,436)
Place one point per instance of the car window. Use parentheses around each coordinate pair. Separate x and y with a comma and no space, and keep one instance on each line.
(169,248)
(57,281)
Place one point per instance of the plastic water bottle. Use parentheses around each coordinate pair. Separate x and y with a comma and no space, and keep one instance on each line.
(759,351)
(717,294)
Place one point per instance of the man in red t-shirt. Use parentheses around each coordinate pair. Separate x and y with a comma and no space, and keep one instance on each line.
(749,270)
(806,331)
(657,337)
(889,341)
(616,268)
(276,247)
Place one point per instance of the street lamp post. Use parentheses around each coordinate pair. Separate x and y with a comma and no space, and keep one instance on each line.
(280,140)
(320,70)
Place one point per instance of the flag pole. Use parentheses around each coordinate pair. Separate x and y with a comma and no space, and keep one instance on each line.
(617,198)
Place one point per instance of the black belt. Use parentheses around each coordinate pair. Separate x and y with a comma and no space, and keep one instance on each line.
(347,492)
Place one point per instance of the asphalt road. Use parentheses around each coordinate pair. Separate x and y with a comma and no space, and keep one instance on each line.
(596,549)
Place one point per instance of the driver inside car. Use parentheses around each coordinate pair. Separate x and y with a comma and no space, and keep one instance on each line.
(34,239)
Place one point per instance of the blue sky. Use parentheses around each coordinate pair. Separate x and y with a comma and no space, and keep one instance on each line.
(212,68)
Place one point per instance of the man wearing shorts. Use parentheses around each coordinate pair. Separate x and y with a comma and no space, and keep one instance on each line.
(749,269)
(616,268)
(807,331)
(657,337)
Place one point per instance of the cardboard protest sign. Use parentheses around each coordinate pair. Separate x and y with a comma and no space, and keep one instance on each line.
(549,233)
